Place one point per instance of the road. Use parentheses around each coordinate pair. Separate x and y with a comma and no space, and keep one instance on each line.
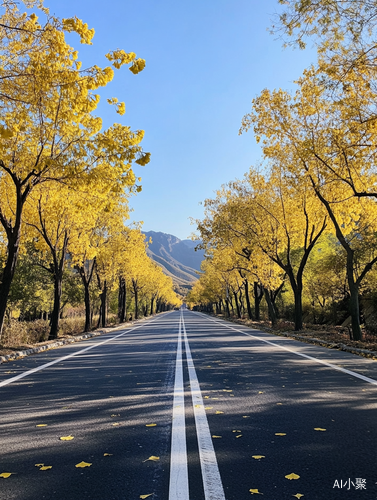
(184,406)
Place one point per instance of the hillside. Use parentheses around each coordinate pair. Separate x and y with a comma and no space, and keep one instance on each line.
(178,258)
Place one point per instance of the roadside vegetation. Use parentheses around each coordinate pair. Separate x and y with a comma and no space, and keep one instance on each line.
(295,240)
(70,260)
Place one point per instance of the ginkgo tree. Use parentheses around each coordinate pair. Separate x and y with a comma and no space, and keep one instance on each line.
(47,128)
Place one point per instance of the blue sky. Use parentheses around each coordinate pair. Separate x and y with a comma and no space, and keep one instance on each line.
(205,61)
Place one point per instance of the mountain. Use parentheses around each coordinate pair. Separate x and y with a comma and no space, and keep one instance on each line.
(178,258)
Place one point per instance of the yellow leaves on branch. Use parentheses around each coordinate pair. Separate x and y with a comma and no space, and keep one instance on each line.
(76,25)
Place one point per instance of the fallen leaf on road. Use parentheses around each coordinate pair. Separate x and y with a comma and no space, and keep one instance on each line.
(41,425)
(318,429)
(239,435)
(206,397)
(298,495)
(218,412)
(260,392)
(46,467)
(217,436)
(115,415)
(150,425)
(66,438)
(198,406)
(146,496)
(246,416)
(116,423)
(279,403)
(154,459)
(258,457)
(292,476)
(6,474)
(107,454)
(83,464)
(280,434)
(227,390)
(208,407)
(255,492)
(39,465)
(236,431)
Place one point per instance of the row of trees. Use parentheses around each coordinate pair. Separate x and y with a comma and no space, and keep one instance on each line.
(65,181)
(317,184)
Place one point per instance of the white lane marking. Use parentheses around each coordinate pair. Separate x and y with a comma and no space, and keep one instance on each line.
(213,487)
(59,360)
(330,365)
(178,487)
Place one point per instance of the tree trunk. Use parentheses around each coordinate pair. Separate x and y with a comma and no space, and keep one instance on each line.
(104,305)
(258,296)
(248,305)
(86,280)
(237,305)
(227,308)
(152,303)
(354,307)
(271,308)
(7,276)
(122,300)
(56,309)
(136,300)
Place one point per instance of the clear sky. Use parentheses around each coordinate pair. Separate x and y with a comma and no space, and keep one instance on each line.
(205,61)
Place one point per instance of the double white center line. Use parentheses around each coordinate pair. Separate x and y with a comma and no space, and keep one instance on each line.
(212,484)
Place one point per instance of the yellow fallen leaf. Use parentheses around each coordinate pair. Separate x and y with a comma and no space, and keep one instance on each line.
(298,495)
(236,431)
(239,435)
(83,464)
(46,467)
(115,415)
(292,476)
(246,416)
(231,395)
(39,465)
(260,392)
(258,457)
(206,397)
(41,425)
(208,407)
(255,492)
(107,454)
(214,398)
(218,412)
(66,438)
(146,496)
(150,425)
(217,436)
(279,403)
(6,474)
(209,366)
(227,390)
(116,423)
(280,434)
(198,406)
(154,459)
(318,429)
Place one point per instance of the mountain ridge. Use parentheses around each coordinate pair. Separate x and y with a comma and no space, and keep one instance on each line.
(177,258)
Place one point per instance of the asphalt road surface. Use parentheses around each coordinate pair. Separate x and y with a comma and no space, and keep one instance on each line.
(184,406)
